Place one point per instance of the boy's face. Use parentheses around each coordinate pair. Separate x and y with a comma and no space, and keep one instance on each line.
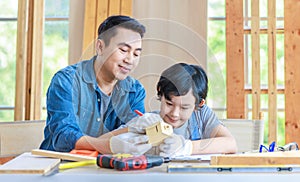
(177,110)
(122,54)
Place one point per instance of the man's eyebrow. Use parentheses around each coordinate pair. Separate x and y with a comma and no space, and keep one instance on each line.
(129,46)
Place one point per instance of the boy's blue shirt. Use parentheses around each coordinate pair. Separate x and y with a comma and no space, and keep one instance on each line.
(73,106)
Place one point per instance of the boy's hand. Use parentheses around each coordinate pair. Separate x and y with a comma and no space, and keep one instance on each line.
(140,123)
(175,145)
(131,143)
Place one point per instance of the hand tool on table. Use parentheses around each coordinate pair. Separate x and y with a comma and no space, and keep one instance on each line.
(124,162)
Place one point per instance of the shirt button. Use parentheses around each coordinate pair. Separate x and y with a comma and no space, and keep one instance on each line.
(98,119)
(98,100)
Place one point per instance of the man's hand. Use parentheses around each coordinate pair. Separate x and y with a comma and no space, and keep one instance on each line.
(140,123)
(175,145)
(131,143)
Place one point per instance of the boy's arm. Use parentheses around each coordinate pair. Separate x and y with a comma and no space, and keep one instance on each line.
(221,141)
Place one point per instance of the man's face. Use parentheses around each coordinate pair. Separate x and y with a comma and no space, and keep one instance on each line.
(177,110)
(122,54)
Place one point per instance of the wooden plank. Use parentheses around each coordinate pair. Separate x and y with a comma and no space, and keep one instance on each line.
(102,12)
(19,112)
(279,30)
(269,158)
(114,7)
(37,60)
(272,71)
(29,60)
(256,93)
(90,27)
(126,7)
(235,82)
(28,164)
(292,74)
(61,155)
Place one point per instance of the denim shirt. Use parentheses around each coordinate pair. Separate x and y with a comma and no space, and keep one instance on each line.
(73,106)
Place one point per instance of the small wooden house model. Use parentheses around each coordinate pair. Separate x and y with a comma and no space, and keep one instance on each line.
(158,132)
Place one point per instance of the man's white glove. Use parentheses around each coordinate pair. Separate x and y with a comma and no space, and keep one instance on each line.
(175,145)
(140,123)
(131,143)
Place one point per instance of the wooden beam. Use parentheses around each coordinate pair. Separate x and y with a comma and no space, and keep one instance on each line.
(21,53)
(34,57)
(29,59)
(272,71)
(114,7)
(255,47)
(267,158)
(126,7)
(235,60)
(292,74)
(37,60)
(102,13)
(279,30)
(90,27)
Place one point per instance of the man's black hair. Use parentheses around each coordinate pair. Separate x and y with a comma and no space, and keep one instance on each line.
(107,28)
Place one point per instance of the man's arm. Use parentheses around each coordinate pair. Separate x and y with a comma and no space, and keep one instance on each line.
(101,143)
(62,130)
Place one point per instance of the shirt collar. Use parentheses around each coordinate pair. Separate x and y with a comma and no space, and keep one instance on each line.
(89,76)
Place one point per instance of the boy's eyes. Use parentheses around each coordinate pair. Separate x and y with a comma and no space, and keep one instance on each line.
(171,104)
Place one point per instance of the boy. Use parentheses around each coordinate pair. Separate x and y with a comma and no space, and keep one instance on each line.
(182,90)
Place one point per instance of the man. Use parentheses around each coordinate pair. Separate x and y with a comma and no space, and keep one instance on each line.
(94,97)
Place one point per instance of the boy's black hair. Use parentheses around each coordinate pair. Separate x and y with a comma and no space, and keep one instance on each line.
(107,29)
(178,79)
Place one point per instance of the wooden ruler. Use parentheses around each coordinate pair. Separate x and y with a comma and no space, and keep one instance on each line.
(267,158)
(61,155)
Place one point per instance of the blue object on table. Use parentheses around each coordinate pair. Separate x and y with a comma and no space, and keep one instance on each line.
(270,149)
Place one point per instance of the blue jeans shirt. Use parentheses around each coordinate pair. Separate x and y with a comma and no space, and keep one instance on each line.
(73,101)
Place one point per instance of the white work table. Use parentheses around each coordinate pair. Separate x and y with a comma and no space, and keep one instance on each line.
(156,174)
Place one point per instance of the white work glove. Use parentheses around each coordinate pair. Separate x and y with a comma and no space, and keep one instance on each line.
(175,145)
(140,123)
(131,143)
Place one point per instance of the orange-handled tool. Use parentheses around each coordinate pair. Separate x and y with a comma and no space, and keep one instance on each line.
(130,163)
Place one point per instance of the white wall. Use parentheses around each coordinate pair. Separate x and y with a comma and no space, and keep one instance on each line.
(176,32)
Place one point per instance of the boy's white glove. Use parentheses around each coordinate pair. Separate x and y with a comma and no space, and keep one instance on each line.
(175,145)
(131,143)
(140,123)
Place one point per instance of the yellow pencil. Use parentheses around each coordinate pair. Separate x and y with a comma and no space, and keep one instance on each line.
(70,165)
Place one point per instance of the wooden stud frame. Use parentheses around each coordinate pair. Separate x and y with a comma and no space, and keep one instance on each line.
(236,91)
